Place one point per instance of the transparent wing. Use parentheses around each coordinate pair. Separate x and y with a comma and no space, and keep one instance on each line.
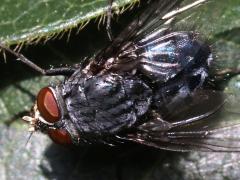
(198,126)
(149,46)
(146,22)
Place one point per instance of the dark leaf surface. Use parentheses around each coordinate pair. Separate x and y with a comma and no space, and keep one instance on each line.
(41,159)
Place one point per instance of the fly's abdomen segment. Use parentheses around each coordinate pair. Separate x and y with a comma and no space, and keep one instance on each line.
(106,104)
(178,63)
(163,57)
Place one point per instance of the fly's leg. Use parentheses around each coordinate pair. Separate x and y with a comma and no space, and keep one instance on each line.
(218,79)
(226,73)
(157,123)
(198,118)
(15,117)
(65,71)
(109,16)
(8,122)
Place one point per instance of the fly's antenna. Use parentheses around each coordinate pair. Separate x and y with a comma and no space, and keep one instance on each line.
(23,59)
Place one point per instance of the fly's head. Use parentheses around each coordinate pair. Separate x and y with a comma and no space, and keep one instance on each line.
(47,115)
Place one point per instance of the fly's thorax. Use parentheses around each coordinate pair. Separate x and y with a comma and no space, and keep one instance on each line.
(49,116)
(106,104)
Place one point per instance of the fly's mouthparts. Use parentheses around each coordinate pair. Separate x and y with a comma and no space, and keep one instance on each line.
(32,123)
(32,120)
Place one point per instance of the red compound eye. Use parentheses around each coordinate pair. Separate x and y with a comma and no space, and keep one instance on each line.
(47,105)
(60,136)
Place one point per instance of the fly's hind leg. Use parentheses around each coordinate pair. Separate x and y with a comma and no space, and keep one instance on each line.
(158,122)
(226,73)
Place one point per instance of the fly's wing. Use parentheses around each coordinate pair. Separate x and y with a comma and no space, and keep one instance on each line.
(150,20)
(201,129)
(148,45)
(152,16)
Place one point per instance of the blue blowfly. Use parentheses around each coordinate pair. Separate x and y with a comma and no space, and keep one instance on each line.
(148,86)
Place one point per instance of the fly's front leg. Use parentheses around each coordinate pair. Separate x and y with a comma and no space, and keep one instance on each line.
(15,117)
(109,16)
(65,71)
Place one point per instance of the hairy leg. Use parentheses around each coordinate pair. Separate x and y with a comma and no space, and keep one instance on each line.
(65,71)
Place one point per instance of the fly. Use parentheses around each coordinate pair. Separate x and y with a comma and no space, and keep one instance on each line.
(131,90)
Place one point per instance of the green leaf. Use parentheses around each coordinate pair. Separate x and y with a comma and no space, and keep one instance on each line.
(41,159)
(29,20)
